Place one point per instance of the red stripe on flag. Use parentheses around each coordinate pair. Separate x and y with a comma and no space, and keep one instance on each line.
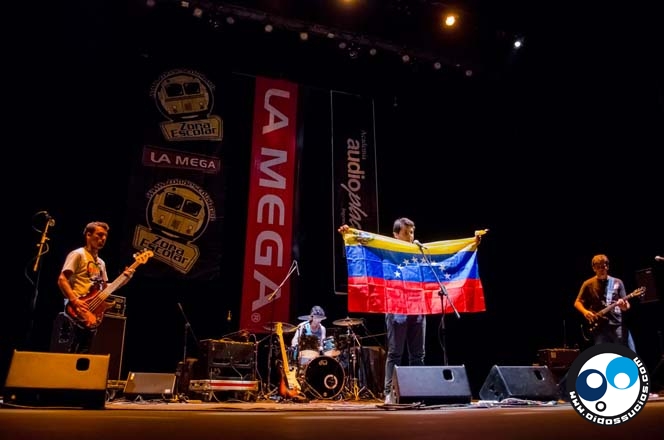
(377,295)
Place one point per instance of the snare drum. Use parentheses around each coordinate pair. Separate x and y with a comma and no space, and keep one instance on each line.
(330,347)
(308,349)
(323,378)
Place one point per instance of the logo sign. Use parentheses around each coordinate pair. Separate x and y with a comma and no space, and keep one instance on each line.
(608,384)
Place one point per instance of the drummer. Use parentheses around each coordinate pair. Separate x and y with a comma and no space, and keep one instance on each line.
(311,327)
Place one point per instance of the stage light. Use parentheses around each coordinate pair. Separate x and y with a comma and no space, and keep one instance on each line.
(342,45)
(373,51)
(197,12)
(518,43)
(150,3)
(405,58)
(437,65)
(304,36)
(230,20)
(450,20)
(268,28)
(330,35)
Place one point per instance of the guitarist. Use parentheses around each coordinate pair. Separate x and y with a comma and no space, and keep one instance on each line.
(599,292)
(84,272)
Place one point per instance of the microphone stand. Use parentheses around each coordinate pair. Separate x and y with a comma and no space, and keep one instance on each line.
(270,298)
(43,248)
(187,330)
(443,294)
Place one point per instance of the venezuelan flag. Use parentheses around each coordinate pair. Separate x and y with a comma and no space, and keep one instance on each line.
(386,275)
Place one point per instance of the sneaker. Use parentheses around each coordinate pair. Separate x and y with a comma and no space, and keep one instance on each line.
(389,400)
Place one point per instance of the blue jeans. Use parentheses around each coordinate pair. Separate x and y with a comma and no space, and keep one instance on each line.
(403,331)
(615,334)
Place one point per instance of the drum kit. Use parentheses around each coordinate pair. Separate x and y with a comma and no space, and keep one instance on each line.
(333,371)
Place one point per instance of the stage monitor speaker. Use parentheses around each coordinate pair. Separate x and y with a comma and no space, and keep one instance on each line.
(108,340)
(527,382)
(159,385)
(57,379)
(431,385)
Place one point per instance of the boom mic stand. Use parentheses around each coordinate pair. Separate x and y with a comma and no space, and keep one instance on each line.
(443,294)
(187,330)
(36,268)
(293,268)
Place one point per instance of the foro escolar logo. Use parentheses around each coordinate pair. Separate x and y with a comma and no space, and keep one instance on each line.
(608,384)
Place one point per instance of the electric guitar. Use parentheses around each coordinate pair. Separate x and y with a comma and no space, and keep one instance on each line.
(96,299)
(289,386)
(589,328)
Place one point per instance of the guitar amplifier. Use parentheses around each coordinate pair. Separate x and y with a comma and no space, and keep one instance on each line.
(557,358)
(119,306)
(221,359)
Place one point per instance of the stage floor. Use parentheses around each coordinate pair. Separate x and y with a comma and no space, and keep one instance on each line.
(321,420)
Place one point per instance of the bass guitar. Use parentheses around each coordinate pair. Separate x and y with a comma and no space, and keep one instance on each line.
(289,386)
(96,299)
(589,328)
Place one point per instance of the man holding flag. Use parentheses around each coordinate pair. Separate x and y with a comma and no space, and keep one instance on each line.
(389,276)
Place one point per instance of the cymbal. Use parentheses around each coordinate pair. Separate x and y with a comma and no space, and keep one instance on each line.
(285,327)
(347,322)
(310,317)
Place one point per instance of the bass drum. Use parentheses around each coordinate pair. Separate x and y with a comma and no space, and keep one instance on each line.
(323,378)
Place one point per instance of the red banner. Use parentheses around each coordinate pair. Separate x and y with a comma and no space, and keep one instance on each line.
(270,206)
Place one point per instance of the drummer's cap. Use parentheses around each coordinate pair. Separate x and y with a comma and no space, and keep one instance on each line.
(317,312)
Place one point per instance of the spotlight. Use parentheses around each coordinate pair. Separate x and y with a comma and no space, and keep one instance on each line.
(373,51)
(304,36)
(450,20)
(150,3)
(230,20)
(437,65)
(330,35)
(268,28)
(342,45)
(405,58)
(198,12)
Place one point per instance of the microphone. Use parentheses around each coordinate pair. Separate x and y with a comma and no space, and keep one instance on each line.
(51,220)
(658,258)
(417,242)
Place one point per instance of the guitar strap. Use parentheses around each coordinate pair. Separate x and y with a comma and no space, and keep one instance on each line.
(608,293)
(611,289)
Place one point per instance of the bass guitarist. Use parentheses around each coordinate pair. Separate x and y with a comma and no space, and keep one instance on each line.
(597,294)
(82,273)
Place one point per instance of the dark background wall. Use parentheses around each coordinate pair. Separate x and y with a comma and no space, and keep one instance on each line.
(556,152)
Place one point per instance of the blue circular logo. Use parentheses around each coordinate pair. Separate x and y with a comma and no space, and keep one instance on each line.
(608,384)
